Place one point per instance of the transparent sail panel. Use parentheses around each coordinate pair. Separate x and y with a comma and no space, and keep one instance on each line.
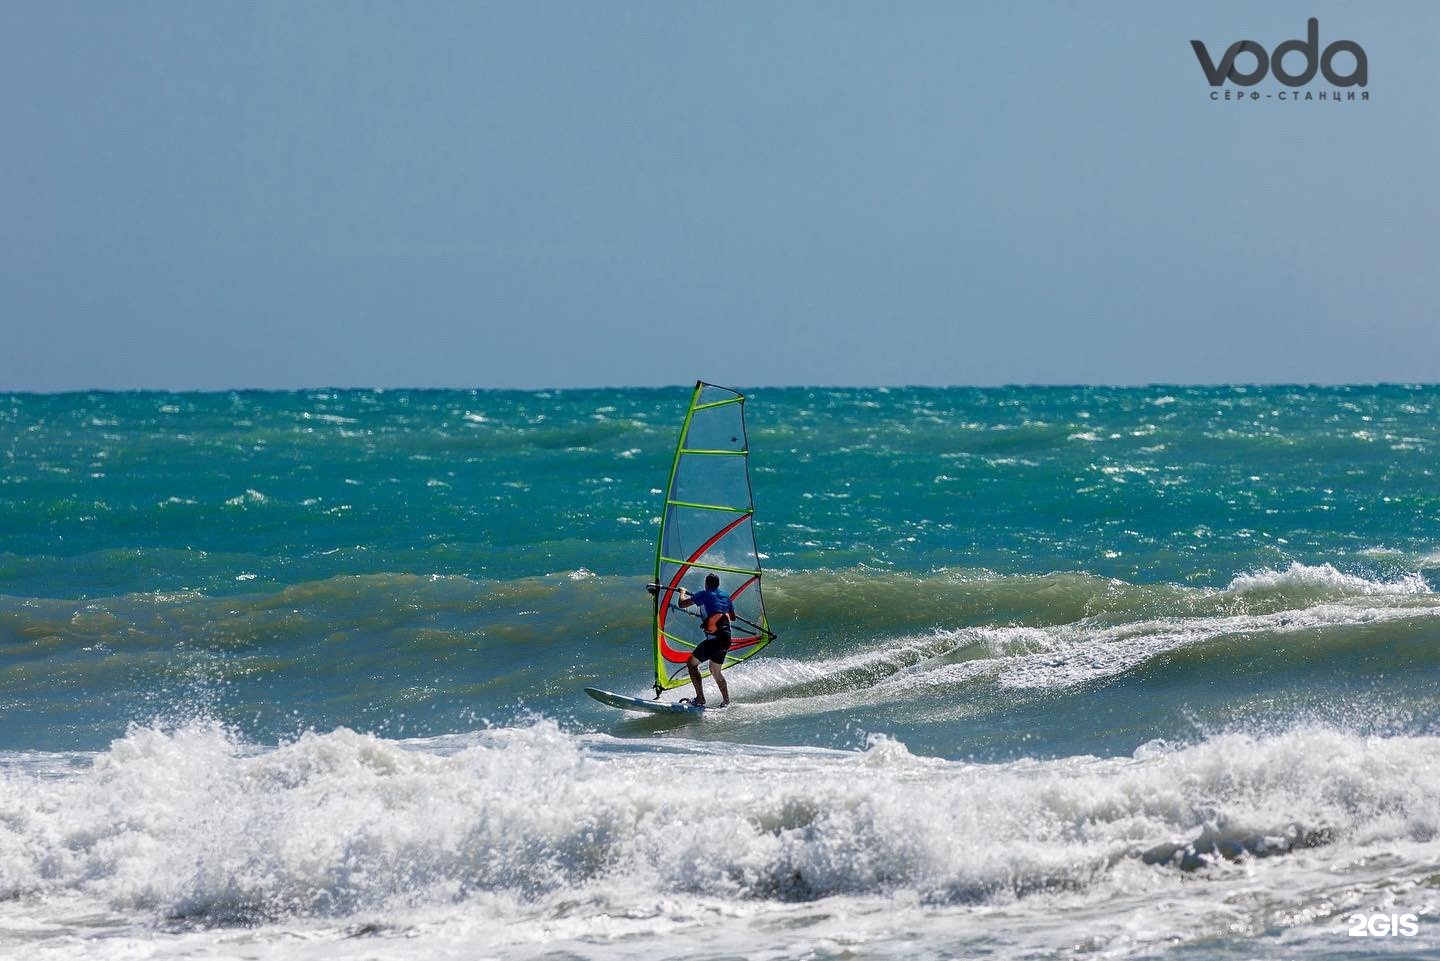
(712,480)
(718,428)
(692,537)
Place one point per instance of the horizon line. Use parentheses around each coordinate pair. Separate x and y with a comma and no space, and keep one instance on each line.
(1017,385)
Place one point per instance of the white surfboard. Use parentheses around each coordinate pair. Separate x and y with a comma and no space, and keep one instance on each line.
(626,703)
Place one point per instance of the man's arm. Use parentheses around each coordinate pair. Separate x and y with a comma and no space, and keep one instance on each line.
(685,600)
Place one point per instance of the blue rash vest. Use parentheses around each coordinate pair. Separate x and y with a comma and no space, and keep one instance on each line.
(713,602)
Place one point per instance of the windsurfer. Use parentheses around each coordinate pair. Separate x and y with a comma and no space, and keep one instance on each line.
(719,612)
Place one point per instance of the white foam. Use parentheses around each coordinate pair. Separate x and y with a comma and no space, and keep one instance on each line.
(1086,650)
(251,496)
(1071,654)
(1324,579)
(513,841)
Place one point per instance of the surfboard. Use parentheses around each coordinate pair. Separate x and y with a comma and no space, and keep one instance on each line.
(641,704)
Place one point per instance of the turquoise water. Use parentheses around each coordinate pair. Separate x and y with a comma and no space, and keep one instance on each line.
(1105,641)
(408,561)
(121,493)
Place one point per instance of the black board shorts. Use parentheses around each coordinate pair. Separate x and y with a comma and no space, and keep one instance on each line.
(715,647)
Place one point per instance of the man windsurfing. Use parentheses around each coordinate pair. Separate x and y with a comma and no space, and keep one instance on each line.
(719,612)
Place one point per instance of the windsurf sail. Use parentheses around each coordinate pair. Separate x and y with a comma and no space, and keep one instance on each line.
(708,527)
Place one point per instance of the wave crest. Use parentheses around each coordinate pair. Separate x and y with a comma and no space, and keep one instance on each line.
(195,824)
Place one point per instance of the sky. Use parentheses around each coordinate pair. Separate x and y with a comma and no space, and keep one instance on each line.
(540,194)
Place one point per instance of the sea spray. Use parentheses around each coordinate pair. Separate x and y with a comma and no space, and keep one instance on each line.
(193,822)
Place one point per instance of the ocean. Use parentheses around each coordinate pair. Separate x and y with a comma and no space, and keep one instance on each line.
(1062,672)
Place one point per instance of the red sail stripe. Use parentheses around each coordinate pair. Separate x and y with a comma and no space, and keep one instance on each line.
(680,657)
(677,656)
(672,655)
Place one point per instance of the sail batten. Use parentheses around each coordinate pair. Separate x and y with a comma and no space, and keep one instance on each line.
(711,567)
(708,527)
(710,507)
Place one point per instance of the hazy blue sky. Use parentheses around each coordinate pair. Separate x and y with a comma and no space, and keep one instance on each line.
(524,194)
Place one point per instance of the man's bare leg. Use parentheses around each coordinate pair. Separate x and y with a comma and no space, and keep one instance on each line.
(694,665)
(719,676)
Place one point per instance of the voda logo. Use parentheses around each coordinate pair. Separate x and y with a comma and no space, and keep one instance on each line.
(1274,63)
